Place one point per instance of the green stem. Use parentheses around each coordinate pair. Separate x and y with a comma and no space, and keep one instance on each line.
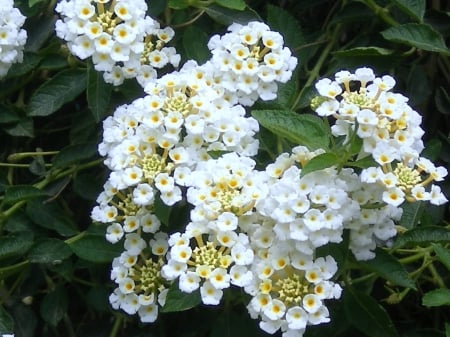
(315,71)
(436,277)
(75,238)
(116,326)
(381,12)
(19,156)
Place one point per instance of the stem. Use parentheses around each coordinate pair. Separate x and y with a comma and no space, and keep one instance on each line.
(381,12)
(187,23)
(18,156)
(436,277)
(315,71)
(116,326)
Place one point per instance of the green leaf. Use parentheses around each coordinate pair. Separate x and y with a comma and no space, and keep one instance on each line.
(18,193)
(30,62)
(51,216)
(25,321)
(283,22)
(178,4)
(320,162)
(195,44)
(447,329)
(417,35)
(60,89)
(49,251)
(15,244)
(307,130)
(162,211)
(74,154)
(443,255)
(6,322)
(54,305)
(389,268)
(367,315)
(436,298)
(423,235)
(412,212)
(24,128)
(232,4)
(177,300)
(8,115)
(31,3)
(227,16)
(98,93)
(364,51)
(414,8)
(95,248)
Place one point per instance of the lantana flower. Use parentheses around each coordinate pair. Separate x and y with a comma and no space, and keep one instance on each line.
(12,36)
(122,41)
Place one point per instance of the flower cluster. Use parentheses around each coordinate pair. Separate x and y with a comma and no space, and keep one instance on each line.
(121,40)
(364,104)
(249,60)
(12,36)
(189,142)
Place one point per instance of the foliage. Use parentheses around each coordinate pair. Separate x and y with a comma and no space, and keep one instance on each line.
(54,260)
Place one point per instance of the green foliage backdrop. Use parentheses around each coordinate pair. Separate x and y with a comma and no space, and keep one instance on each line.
(55,262)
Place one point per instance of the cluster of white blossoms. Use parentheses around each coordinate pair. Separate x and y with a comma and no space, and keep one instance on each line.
(12,36)
(121,39)
(189,142)
(249,60)
(363,104)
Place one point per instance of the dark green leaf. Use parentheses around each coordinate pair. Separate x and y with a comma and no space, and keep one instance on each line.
(157,7)
(60,89)
(177,300)
(24,128)
(87,186)
(389,268)
(234,324)
(227,16)
(307,130)
(6,322)
(417,35)
(15,244)
(95,248)
(195,44)
(25,320)
(364,51)
(414,8)
(232,4)
(412,212)
(436,298)
(49,251)
(442,100)
(18,193)
(8,115)
(43,28)
(443,255)
(162,211)
(30,62)
(447,329)
(283,22)
(320,162)
(178,4)
(74,154)
(54,305)
(51,216)
(367,315)
(53,62)
(98,93)
(31,3)
(423,235)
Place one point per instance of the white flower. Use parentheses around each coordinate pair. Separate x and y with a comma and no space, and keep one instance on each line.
(210,295)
